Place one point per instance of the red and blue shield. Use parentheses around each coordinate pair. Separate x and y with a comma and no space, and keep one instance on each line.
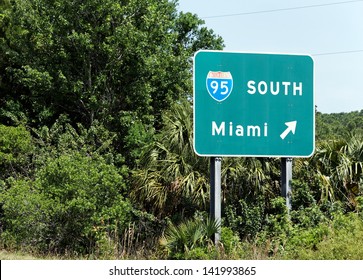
(219,85)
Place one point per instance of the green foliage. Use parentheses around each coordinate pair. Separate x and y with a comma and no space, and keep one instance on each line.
(338,125)
(119,63)
(278,221)
(16,146)
(26,216)
(190,239)
(249,184)
(277,227)
(244,218)
(73,201)
(113,64)
(171,177)
(339,166)
(339,239)
(15,143)
(302,194)
(63,138)
(230,240)
(308,217)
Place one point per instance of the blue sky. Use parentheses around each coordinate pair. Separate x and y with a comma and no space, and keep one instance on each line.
(331,33)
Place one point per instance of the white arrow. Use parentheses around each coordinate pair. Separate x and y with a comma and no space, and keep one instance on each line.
(291,127)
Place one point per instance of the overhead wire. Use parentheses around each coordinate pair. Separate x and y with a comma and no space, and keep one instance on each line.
(340,52)
(281,9)
(295,8)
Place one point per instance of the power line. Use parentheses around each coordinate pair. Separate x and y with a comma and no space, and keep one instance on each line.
(282,9)
(335,53)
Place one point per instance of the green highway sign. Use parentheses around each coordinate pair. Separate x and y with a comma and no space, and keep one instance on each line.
(252,104)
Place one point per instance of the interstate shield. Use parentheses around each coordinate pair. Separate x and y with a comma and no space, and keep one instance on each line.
(219,85)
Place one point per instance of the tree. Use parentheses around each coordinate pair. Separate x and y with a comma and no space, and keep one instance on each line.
(337,167)
(119,62)
(171,178)
(338,125)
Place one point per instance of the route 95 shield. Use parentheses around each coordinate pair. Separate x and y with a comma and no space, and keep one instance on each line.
(219,85)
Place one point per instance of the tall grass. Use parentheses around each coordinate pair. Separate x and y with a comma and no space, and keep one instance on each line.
(338,239)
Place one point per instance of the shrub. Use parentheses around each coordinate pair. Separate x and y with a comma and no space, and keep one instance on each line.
(338,239)
(302,195)
(74,201)
(246,218)
(190,238)
(15,148)
(26,216)
(308,217)
(345,240)
(229,239)
(277,222)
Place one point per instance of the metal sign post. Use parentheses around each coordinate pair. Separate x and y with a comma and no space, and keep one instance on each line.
(215,194)
(286,178)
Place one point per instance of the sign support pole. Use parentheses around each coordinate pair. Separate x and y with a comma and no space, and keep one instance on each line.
(286,178)
(215,194)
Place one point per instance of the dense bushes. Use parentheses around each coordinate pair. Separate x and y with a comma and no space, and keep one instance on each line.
(72,203)
(339,238)
(16,146)
(68,190)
